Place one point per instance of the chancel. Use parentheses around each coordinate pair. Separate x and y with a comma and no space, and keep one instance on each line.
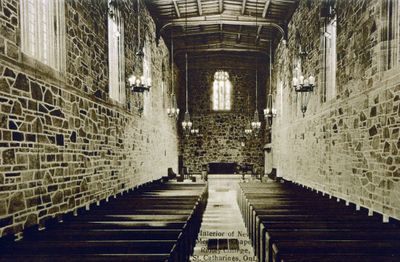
(200,130)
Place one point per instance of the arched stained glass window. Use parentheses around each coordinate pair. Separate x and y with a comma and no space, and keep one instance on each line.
(222,89)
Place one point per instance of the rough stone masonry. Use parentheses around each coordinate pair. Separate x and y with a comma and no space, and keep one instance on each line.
(63,142)
(348,146)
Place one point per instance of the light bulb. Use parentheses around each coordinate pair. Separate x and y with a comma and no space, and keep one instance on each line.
(311,79)
(132,80)
(295,81)
(301,81)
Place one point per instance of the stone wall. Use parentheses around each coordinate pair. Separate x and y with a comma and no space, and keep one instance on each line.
(348,146)
(222,137)
(64,143)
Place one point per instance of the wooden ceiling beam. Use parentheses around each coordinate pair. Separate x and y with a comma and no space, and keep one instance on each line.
(213,32)
(223,44)
(222,20)
(264,14)
(218,18)
(220,48)
(178,14)
(199,7)
(243,6)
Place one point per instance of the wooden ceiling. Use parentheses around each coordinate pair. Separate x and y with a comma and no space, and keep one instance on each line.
(222,25)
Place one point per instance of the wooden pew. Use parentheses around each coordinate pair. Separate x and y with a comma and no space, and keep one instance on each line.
(336,248)
(283,218)
(158,222)
(273,236)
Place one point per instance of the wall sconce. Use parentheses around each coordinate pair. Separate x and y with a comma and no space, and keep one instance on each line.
(138,84)
(304,87)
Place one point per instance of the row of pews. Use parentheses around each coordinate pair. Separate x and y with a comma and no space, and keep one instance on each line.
(157,222)
(288,223)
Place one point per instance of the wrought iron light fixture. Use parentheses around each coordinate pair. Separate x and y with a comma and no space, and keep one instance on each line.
(270,111)
(172,110)
(256,123)
(248,130)
(187,123)
(304,88)
(139,84)
(194,131)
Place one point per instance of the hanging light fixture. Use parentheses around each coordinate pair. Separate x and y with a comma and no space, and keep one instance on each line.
(248,130)
(139,83)
(270,111)
(187,123)
(256,124)
(194,131)
(172,110)
(303,86)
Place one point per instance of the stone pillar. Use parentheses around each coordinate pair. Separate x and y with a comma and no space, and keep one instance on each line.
(267,159)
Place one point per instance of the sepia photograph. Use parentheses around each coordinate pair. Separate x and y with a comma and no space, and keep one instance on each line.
(199,130)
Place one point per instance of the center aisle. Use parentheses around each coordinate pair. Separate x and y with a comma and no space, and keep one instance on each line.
(223,236)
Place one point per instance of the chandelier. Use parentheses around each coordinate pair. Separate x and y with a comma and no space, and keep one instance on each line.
(248,130)
(187,123)
(270,111)
(256,123)
(139,83)
(172,110)
(194,131)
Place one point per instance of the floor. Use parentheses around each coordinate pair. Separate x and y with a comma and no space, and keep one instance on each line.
(223,236)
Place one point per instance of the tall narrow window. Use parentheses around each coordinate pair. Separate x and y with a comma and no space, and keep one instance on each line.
(390,33)
(328,42)
(297,73)
(147,63)
(147,74)
(221,91)
(330,36)
(116,62)
(42,31)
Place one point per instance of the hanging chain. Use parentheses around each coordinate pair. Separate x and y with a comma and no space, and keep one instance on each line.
(187,108)
(270,67)
(138,9)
